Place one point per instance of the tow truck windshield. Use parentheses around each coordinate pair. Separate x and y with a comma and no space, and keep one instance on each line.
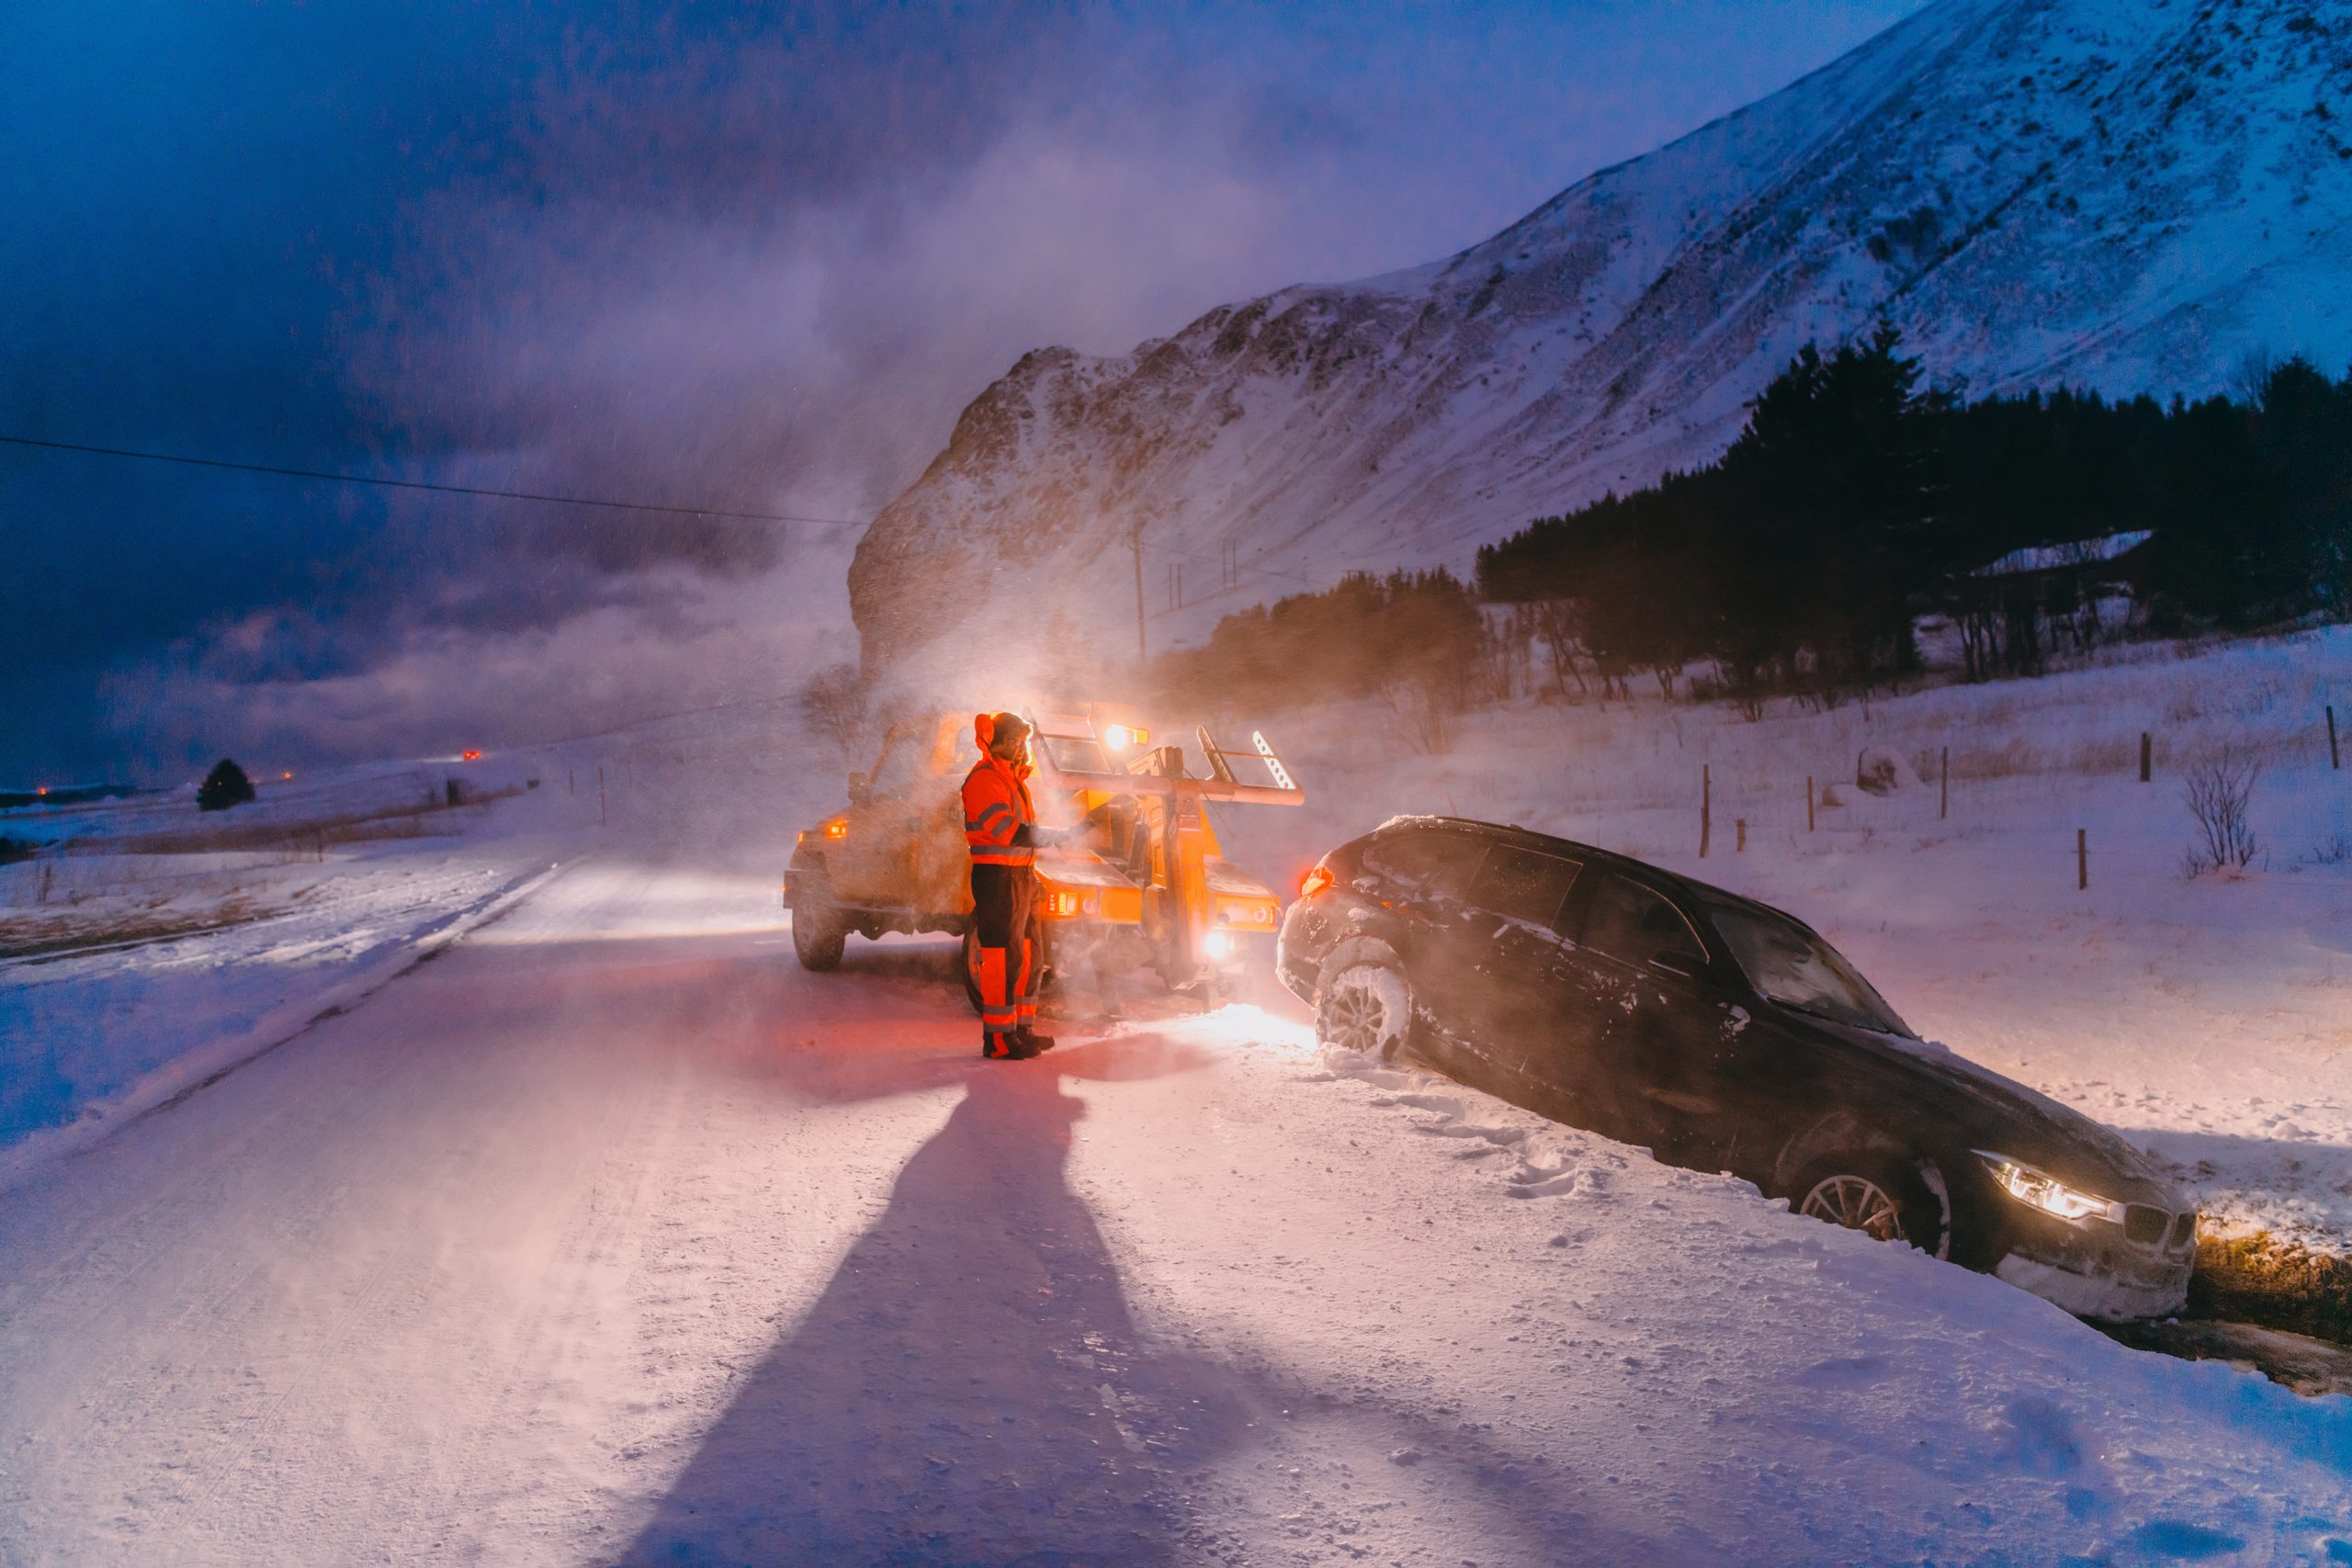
(1075,754)
(1798,970)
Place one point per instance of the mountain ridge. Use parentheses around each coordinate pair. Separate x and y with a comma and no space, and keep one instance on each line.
(2118,197)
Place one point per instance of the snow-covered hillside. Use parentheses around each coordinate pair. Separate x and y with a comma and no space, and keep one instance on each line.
(2124,194)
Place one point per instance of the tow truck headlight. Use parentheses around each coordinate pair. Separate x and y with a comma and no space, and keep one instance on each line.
(1120,736)
(2039,1190)
(1217,945)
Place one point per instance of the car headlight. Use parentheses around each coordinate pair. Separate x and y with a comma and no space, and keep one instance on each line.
(2039,1190)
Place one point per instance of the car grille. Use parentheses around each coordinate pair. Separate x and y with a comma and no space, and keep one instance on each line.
(2184,1230)
(2146,1225)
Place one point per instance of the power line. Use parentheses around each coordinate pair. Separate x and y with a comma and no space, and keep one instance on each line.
(421,484)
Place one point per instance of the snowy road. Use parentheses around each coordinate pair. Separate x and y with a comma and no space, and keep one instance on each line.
(610,1236)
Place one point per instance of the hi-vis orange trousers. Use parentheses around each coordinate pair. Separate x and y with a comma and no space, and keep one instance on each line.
(1004,957)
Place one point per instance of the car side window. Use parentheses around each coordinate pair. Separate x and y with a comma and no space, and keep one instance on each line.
(1632,922)
(1433,864)
(1524,884)
(895,771)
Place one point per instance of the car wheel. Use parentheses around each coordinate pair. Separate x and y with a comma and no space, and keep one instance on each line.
(817,937)
(1878,1195)
(1365,1009)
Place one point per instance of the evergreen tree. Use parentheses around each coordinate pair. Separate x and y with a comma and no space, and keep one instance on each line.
(224,786)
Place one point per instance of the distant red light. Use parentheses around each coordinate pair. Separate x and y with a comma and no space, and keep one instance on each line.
(473,756)
(286,776)
(42,790)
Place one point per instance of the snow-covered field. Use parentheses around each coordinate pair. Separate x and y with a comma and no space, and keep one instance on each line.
(612,1236)
(154,945)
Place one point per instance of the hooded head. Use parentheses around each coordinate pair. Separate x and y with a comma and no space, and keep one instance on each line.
(1001,733)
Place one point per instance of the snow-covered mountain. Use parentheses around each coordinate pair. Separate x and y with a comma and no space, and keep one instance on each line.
(2124,194)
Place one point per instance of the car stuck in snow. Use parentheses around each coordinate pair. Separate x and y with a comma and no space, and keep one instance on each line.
(1722,1035)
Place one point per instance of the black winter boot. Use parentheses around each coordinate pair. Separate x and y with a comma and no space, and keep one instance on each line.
(1027,1041)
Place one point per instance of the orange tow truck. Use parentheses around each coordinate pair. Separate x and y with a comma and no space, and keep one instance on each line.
(1150,888)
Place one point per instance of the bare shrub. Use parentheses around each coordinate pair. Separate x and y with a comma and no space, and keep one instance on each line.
(1424,698)
(2219,793)
(1558,621)
(834,705)
(2334,850)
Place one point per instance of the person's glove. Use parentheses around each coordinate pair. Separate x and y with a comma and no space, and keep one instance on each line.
(1048,837)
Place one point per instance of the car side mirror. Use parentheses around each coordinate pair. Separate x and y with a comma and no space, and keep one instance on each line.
(861,789)
(1674,961)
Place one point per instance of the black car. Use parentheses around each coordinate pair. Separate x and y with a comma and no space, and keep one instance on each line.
(1725,1036)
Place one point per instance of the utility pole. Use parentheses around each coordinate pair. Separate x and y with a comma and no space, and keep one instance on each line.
(1143,654)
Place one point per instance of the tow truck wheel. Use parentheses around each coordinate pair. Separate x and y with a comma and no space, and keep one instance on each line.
(1366,1010)
(968,966)
(817,938)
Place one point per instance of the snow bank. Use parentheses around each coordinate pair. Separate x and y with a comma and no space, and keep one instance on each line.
(1511,1342)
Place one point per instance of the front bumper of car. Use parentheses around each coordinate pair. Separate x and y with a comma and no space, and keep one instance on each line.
(2090,1269)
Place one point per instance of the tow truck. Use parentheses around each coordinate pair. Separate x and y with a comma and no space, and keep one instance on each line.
(1149,888)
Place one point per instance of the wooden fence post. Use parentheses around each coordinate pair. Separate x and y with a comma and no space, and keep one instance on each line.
(600,795)
(1943,788)
(2334,758)
(2146,755)
(1706,807)
(2082,860)
(1808,803)
(1739,824)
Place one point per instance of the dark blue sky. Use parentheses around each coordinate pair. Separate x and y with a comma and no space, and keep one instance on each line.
(699,254)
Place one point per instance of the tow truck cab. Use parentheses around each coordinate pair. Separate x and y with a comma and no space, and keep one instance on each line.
(1150,888)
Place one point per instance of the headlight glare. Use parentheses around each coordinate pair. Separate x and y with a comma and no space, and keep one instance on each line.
(2039,1190)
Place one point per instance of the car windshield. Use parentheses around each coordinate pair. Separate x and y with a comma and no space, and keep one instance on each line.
(1795,969)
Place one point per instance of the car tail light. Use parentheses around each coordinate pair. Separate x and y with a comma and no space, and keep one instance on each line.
(837,829)
(1316,879)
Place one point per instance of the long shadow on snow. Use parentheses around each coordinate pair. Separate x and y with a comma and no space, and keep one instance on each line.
(971,1387)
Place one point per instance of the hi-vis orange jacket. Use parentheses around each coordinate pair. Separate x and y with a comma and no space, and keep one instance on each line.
(997,809)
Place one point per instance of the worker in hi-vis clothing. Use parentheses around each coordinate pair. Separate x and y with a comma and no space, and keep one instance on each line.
(1000,827)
